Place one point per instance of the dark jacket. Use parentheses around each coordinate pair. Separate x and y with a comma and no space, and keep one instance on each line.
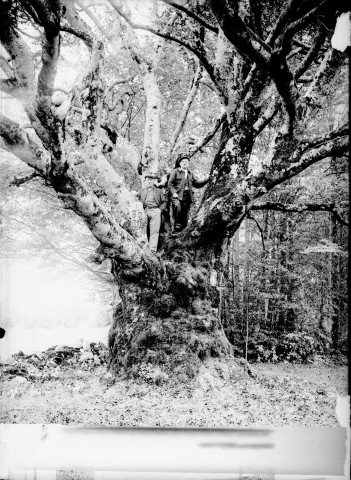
(176,183)
(159,197)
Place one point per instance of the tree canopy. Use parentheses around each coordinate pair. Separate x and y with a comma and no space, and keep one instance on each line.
(109,90)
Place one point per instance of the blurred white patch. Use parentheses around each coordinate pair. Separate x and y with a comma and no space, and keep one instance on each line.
(255,165)
(31,340)
(234,170)
(213,278)
(342,34)
(342,410)
(174,452)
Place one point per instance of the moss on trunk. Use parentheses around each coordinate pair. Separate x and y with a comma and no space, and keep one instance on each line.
(173,327)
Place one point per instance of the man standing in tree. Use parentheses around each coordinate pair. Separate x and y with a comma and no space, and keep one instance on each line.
(154,203)
(180,185)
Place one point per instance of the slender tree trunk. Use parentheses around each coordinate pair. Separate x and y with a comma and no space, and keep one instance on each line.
(333,286)
(274,276)
(150,154)
(264,270)
(246,284)
(235,282)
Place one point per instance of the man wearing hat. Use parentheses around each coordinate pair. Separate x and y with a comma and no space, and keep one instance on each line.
(180,184)
(154,203)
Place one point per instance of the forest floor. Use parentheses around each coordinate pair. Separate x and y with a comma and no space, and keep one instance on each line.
(77,390)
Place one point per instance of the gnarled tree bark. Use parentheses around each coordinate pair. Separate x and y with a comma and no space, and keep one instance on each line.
(169,311)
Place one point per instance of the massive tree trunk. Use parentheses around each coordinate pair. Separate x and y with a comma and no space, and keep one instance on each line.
(174,324)
(169,312)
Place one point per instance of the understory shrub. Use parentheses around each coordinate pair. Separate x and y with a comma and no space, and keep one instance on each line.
(268,347)
(296,347)
(262,347)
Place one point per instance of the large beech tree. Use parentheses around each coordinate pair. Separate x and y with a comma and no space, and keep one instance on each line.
(277,78)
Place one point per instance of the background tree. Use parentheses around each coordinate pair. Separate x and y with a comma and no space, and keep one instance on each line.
(276,83)
(298,273)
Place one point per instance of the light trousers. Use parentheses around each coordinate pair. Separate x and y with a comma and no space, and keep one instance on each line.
(154,224)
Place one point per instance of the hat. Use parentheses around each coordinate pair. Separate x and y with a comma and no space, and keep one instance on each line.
(181,157)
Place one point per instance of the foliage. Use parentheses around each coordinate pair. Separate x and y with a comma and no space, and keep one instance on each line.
(271,348)
(262,348)
(291,268)
(296,346)
(274,88)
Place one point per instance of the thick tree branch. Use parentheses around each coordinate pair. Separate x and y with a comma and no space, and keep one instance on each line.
(147,65)
(209,84)
(46,77)
(330,64)
(78,196)
(72,23)
(5,66)
(303,45)
(94,3)
(256,50)
(35,96)
(66,27)
(20,143)
(338,147)
(251,217)
(119,101)
(201,20)
(249,44)
(185,110)
(48,14)
(285,15)
(93,87)
(9,86)
(294,52)
(290,160)
(20,181)
(312,53)
(30,12)
(301,208)
(59,251)
(33,37)
(300,23)
(151,143)
(242,191)
(22,68)
(313,141)
(209,135)
(267,116)
(201,55)
(287,89)
(93,17)
(119,82)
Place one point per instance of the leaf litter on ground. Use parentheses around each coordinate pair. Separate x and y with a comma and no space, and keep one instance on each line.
(64,385)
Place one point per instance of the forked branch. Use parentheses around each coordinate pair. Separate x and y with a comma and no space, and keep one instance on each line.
(301,208)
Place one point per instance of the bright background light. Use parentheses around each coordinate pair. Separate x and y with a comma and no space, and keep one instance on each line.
(39,310)
(35,299)
(342,34)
